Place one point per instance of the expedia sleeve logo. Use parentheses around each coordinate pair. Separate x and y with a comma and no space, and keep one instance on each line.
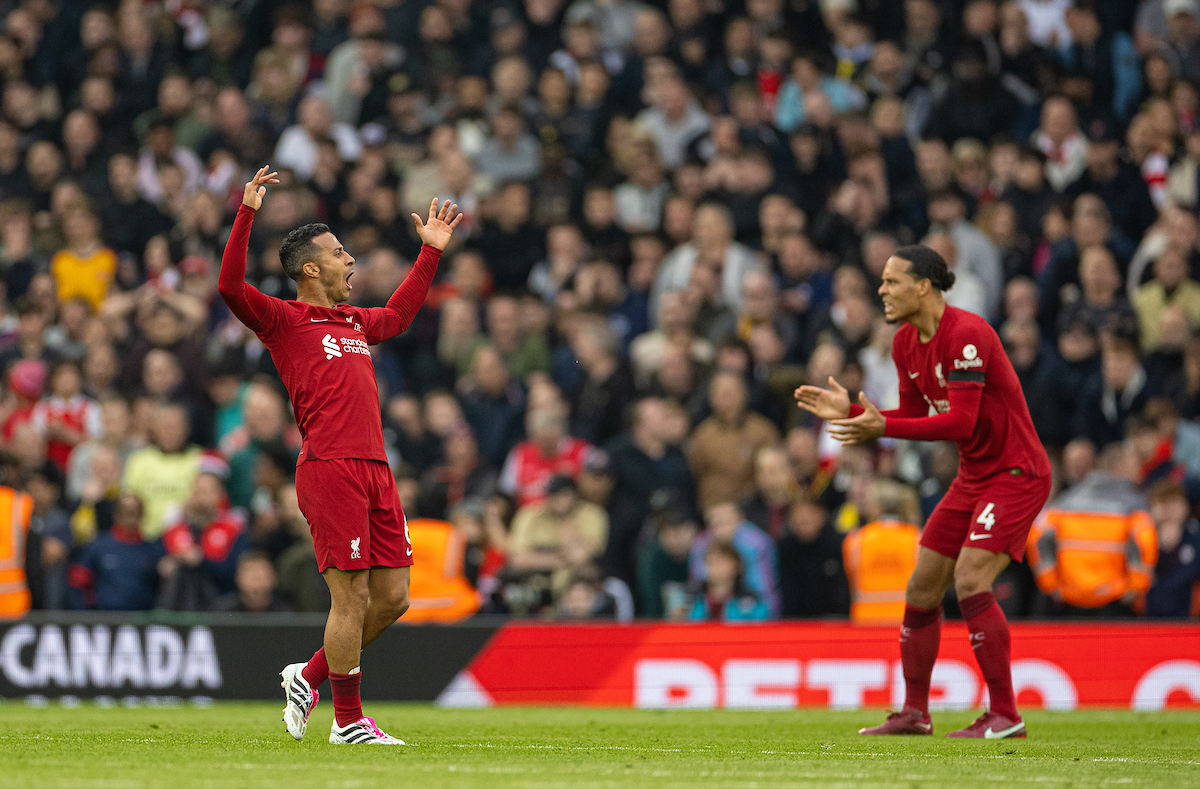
(970,358)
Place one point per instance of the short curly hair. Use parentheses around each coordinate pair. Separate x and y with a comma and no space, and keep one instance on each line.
(927,264)
(298,248)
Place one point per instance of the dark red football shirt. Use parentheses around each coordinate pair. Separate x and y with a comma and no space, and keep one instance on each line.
(964,376)
(322,353)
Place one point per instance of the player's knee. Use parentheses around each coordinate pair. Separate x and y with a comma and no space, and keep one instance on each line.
(968,582)
(353,599)
(921,594)
(399,603)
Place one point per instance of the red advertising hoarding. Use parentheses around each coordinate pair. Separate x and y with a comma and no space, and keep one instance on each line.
(1055,666)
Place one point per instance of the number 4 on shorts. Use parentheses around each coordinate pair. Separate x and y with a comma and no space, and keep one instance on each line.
(986,517)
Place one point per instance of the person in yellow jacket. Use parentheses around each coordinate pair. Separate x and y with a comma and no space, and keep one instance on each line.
(880,556)
(1093,550)
(16,510)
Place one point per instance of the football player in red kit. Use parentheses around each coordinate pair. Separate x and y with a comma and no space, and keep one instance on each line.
(952,362)
(346,490)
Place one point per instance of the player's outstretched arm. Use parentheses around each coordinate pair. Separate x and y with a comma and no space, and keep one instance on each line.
(404,304)
(246,302)
(831,403)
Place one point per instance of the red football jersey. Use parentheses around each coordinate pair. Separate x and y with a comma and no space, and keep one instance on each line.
(965,352)
(322,353)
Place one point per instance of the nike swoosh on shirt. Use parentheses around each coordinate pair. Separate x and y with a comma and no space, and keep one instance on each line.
(974,536)
(913,375)
(319,320)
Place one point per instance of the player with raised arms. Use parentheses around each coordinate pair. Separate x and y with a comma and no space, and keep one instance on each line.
(320,345)
(952,362)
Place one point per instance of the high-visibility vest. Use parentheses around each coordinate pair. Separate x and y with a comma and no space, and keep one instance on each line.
(16,510)
(879,558)
(1095,543)
(438,591)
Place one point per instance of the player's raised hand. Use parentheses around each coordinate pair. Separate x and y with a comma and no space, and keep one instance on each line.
(832,403)
(436,231)
(256,190)
(864,427)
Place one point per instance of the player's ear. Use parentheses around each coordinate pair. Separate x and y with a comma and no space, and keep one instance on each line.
(311,269)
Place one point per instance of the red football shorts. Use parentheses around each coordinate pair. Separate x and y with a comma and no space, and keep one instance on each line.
(353,511)
(994,514)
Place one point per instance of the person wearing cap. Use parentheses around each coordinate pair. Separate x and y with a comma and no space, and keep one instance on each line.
(1117,182)
(538,541)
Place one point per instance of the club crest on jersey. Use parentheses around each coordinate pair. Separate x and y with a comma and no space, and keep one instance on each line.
(937,370)
(357,326)
(970,358)
(331,347)
(354,554)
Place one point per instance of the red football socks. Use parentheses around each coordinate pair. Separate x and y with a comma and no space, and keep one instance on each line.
(317,669)
(347,704)
(991,643)
(920,635)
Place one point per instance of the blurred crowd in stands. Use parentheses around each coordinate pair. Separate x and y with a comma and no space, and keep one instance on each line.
(676,212)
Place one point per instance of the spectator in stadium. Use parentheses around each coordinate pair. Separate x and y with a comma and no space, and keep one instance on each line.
(257,587)
(723,446)
(161,475)
(1100,305)
(84,268)
(464,475)
(1175,590)
(1118,183)
(584,597)
(300,582)
(265,424)
(760,565)
(644,463)
(1171,287)
(712,246)
(662,567)
(604,394)
(544,534)
(203,546)
(722,595)
(118,570)
(66,415)
(548,452)
(1094,549)
(812,577)
(493,404)
(51,523)
(775,488)
(1106,401)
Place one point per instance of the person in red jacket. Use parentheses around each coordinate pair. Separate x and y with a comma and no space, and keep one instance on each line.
(321,347)
(952,362)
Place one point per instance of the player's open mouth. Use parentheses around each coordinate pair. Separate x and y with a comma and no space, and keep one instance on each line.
(349,274)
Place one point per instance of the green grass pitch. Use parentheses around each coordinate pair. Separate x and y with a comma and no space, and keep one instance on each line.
(245,745)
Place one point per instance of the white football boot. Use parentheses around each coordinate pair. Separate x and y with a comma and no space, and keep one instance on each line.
(362,732)
(301,699)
